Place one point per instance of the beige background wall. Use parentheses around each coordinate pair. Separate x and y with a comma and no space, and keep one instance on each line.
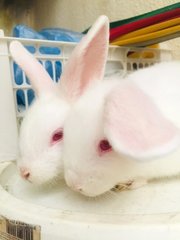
(79,14)
(16,12)
(75,14)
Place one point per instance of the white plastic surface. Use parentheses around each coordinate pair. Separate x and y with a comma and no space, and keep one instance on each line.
(8,124)
(150,212)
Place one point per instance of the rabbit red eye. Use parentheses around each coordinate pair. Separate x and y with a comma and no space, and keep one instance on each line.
(104,146)
(57,136)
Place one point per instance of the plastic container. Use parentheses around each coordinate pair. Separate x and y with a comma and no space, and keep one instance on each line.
(27,212)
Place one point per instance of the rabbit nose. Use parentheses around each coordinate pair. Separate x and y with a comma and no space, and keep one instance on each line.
(24,173)
(72,181)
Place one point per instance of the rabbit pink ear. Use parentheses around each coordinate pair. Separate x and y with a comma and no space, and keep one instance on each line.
(135,126)
(87,62)
(39,78)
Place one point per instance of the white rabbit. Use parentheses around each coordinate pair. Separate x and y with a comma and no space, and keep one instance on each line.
(41,131)
(119,131)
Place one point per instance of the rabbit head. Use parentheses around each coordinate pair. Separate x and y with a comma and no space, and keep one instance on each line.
(111,123)
(41,131)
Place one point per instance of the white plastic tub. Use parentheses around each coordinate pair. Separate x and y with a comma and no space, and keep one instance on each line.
(151,212)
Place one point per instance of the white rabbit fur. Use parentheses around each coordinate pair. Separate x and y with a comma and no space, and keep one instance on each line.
(38,157)
(160,81)
(90,120)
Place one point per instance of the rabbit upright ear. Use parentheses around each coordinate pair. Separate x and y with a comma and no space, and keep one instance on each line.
(39,78)
(87,62)
(135,126)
